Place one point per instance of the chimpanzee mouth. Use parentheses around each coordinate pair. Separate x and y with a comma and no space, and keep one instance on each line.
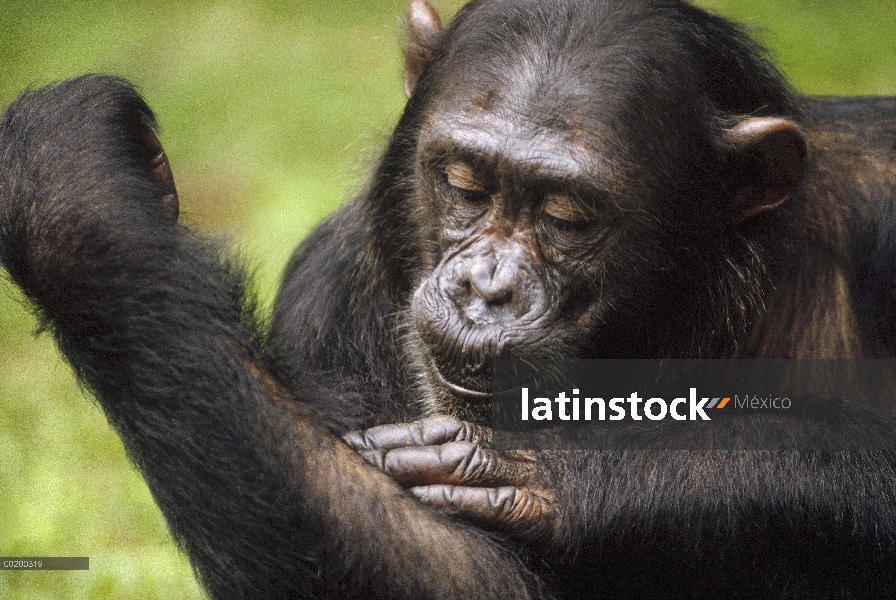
(459,390)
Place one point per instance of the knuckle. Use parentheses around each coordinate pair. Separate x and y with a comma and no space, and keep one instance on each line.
(464,460)
(453,495)
(375,457)
(528,507)
(502,500)
(376,437)
(354,439)
(416,433)
(438,429)
(407,459)
(474,433)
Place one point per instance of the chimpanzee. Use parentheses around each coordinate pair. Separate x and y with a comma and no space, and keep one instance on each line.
(570,178)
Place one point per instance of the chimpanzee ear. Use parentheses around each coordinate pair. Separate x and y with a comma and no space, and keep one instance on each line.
(160,171)
(424,29)
(768,156)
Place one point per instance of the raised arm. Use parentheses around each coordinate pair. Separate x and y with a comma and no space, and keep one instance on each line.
(157,324)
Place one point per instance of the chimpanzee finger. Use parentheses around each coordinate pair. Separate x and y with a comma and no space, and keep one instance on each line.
(511,509)
(431,431)
(454,463)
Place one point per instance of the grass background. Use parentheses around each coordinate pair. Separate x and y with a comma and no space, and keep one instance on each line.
(271,111)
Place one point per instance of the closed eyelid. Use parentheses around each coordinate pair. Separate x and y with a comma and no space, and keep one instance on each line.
(464,176)
(561,206)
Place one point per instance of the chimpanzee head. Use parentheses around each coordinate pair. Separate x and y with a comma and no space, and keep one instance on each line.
(574,164)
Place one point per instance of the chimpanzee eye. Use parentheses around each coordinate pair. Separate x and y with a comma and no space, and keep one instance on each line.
(567,213)
(466,182)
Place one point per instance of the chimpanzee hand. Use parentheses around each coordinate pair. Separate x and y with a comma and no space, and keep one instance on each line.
(446,463)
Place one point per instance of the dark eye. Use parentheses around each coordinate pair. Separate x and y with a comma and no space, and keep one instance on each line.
(466,183)
(566,213)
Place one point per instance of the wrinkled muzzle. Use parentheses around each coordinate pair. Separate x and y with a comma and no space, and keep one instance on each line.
(479,304)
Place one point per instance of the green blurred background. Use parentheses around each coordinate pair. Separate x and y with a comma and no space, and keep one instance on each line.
(271,112)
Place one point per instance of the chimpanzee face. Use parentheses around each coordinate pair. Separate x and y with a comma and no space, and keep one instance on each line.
(569,185)
(533,236)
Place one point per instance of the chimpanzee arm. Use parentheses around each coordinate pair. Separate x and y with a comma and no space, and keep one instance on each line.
(733,524)
(154,320)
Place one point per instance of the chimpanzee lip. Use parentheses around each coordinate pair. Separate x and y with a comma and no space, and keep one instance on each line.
(458,390)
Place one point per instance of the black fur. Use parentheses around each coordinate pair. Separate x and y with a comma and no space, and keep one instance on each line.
(157,323)
(234,430)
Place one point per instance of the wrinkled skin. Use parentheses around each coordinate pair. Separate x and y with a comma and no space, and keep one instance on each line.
(570,178)
(545,234)
(447,464)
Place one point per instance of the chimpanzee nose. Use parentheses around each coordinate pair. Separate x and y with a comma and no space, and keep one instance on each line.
(494,287)
(492,281)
